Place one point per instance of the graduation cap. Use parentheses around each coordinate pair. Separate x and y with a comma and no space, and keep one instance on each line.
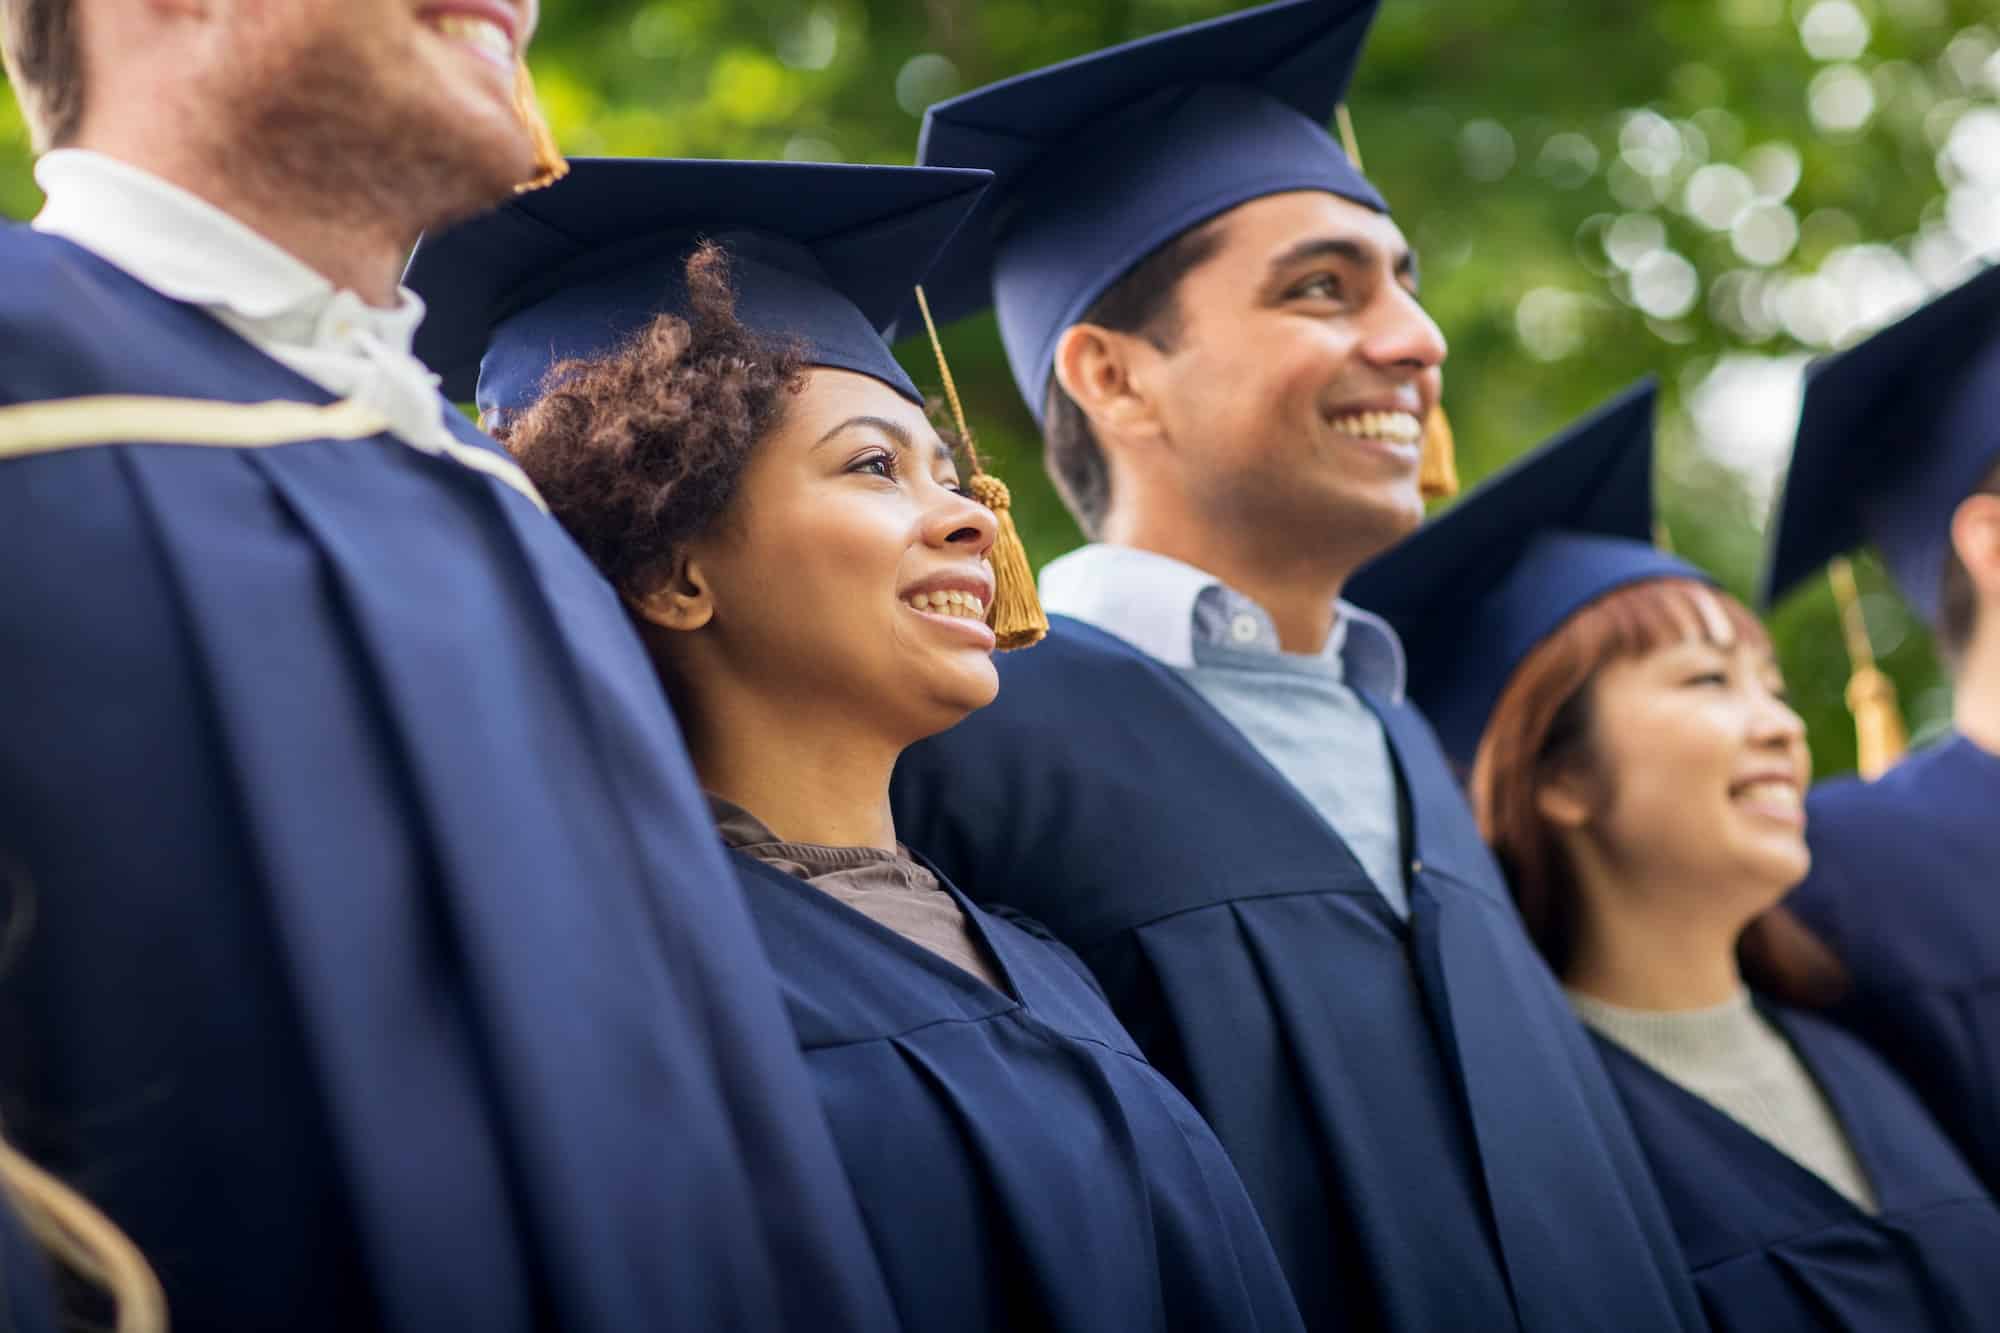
(1894,433)
(1476,589)
(825,253)
(1099,161)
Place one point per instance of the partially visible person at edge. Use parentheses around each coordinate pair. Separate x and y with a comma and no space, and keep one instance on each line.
(756,475)
(1207,781)
(1903,878)
(1640,775)
(375,966)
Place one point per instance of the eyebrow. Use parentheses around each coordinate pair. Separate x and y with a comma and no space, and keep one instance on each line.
(1362,254)
(940,452)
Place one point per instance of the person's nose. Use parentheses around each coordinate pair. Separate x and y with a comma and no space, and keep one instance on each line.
(1403,334)
(957,522)
(1774,725)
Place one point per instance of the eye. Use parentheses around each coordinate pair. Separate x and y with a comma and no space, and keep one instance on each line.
(876,463)
(1707,678)
(1321,286)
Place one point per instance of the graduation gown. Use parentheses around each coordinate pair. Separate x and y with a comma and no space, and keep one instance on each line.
(1775,1249)
(1018,1163)
(1421,1121)
(372,963)
(27,1303)
(1905,886)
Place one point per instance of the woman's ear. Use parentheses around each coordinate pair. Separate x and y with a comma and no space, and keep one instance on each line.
(683,600)
(1566,798)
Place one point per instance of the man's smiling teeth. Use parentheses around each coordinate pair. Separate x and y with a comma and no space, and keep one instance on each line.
(1399,427)
(1772,791)
(483,35)
(948,603)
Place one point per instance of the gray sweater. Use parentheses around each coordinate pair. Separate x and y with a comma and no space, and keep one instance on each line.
(1735,1060)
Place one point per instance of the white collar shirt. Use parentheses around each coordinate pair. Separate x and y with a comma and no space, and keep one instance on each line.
(189,250)
(1161,605)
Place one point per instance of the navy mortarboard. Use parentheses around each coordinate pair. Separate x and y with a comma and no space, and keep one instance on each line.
(1100,160)
(1894,432)
(1474,591)
(821,254)
(824,253)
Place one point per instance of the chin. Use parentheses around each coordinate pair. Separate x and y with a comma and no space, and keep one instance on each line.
(955,697)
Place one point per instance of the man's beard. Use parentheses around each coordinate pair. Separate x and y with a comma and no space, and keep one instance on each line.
(324,134)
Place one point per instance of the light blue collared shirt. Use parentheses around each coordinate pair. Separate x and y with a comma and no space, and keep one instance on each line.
(1300,710)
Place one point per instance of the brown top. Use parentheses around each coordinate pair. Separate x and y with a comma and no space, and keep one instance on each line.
(891,889)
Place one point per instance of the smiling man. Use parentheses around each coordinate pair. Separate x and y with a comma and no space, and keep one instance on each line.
(370,957)
(1207,780)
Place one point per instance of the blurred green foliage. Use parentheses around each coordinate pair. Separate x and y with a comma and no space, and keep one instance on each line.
(1707,190)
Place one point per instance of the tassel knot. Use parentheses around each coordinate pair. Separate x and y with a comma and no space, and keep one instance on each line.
(550,165)
(1437,473)
(1016,615)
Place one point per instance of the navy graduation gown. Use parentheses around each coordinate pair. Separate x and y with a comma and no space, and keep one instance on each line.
(1905,886)
(1775,1249)
(27,1303)
(1423,1125)
(1018,1163)
(373,965)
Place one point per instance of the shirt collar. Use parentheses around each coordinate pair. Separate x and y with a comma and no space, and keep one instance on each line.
(187,249)
(1155,603)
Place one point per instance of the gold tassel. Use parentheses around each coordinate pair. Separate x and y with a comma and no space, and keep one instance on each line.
(1879,736)
(1016,615)
(550,165)
(1437,473)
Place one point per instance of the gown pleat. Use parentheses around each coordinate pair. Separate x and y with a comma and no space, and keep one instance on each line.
(1775,1249)
(1904,887)
(1422,1123)
(1017,1162)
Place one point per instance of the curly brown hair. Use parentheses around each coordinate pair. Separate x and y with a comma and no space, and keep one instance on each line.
(641,450)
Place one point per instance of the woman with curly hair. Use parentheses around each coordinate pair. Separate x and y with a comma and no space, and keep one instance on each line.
(695,380)
(1640,775)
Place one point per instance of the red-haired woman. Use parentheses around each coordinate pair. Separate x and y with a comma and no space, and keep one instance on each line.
(1638,771)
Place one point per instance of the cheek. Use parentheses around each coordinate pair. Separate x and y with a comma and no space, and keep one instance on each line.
(1669,759)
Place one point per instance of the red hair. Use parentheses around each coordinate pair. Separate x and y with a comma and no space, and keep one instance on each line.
(1543,722)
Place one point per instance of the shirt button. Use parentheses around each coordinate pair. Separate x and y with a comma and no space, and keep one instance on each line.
(1243,627)
(1416,867)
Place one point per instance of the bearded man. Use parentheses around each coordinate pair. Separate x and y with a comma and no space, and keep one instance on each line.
(370,959)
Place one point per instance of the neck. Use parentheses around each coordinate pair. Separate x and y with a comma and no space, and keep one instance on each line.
(1298,594)
(807,780)
(1976,690)
(354,247)
(349,249)
(1650,952)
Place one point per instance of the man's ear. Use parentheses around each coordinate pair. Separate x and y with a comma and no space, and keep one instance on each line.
(1107,373)
(1975,536)
(683,600)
